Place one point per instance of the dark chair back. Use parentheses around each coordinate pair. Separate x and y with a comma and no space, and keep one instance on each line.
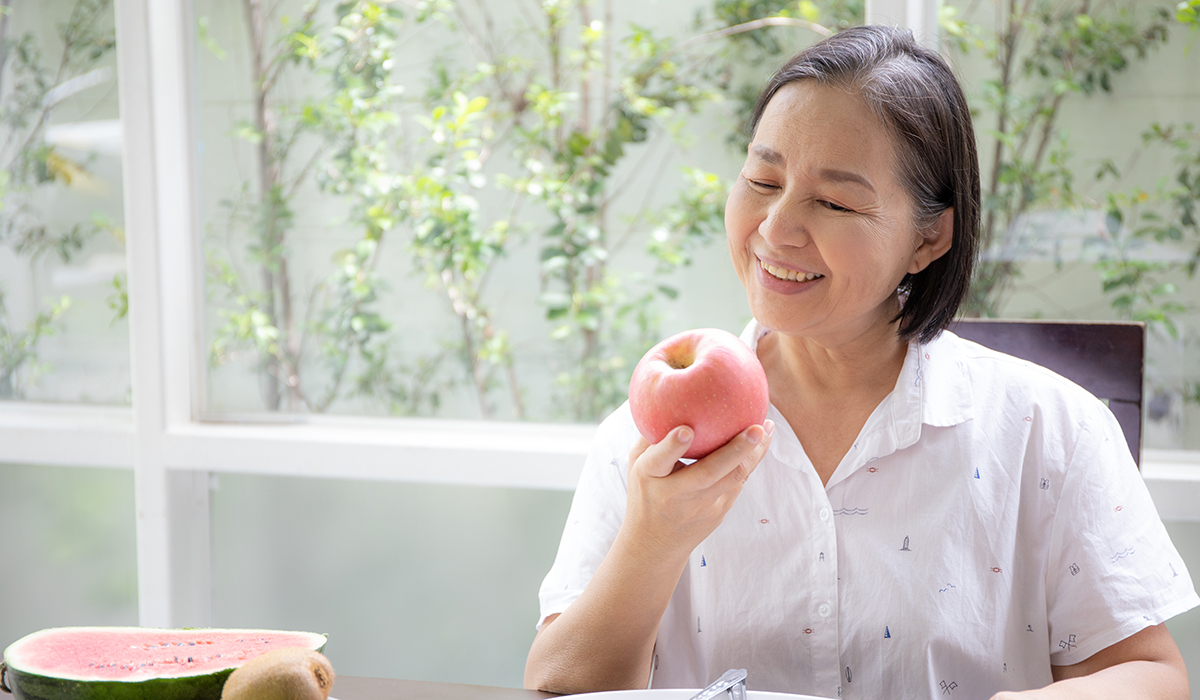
(1106,358)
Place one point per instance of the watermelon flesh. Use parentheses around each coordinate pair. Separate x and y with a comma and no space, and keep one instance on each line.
(136,663)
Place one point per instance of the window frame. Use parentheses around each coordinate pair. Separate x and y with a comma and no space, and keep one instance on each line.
(173,454)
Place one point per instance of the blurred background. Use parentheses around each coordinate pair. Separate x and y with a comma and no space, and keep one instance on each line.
(487,212)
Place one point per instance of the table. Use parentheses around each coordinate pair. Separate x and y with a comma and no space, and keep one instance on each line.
(362,688)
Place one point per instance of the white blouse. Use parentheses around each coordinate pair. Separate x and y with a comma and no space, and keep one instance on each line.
(988,522)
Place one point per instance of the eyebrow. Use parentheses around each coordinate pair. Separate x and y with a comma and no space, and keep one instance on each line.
(773,157)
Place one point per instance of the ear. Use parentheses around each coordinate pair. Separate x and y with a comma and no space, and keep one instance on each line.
(935,241)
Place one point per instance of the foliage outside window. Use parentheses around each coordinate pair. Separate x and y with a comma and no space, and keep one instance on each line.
(46,166)
(466,143)
(527,143)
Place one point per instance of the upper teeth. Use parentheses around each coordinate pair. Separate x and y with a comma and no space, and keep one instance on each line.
(785,274)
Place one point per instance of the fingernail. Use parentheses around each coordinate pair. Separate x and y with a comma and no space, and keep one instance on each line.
(683,434)
(753,436)
(769,428)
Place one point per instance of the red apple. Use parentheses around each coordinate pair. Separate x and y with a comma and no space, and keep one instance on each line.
(707,379)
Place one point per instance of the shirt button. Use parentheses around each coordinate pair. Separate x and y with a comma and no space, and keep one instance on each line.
(824,610)
(824,514)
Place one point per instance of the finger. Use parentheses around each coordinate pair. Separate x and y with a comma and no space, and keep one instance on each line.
(745,448)
(750,461)
(661,458)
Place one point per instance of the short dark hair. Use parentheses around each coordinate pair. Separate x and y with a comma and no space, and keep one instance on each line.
(916,95)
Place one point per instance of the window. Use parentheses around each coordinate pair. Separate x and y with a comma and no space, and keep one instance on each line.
(220,482)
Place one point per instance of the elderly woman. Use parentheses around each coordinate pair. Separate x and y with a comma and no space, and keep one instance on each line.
(919,516)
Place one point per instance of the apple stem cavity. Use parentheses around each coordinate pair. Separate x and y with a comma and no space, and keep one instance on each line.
(682,358)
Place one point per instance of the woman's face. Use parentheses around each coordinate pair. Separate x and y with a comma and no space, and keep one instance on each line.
(820,229)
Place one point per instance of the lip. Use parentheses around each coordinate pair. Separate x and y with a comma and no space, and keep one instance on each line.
(774,284)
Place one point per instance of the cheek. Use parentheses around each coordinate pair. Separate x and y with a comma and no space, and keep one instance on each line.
(740,218)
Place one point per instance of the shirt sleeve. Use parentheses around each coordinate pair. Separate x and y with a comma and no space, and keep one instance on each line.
(1112,569)
(595,516)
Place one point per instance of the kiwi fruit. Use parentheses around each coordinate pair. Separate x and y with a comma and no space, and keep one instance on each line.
(281,674)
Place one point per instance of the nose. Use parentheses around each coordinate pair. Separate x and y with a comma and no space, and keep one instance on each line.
(784,225)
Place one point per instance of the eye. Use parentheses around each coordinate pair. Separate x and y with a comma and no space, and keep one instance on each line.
(760,185)
(832,207)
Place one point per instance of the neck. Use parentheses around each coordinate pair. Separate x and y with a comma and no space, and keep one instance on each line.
(867,364)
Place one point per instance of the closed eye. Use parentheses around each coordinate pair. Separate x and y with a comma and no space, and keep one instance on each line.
(761,185)
(831,206)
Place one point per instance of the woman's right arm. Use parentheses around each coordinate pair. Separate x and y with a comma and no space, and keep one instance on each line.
(605,639)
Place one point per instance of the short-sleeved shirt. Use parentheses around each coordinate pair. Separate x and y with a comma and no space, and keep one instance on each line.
(988,522)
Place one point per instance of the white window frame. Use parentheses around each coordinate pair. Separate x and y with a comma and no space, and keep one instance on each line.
(172,454)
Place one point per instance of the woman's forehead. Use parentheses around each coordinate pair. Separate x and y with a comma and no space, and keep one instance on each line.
(808,120)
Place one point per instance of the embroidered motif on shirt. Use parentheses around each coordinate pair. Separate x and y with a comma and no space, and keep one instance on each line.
(1068,643)
(976,472)
(1122,554)
(947,687)
(850,511)
(1074,568)
(1044,484)
(809,630)
(849,676)
(702,562)
(997,570)
(821,556)
(1174,573)
(887,633)
(905,548)
(948,587)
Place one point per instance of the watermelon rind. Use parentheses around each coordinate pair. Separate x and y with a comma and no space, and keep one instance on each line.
(29,684)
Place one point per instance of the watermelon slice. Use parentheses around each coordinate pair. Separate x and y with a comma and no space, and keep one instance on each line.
(135,663)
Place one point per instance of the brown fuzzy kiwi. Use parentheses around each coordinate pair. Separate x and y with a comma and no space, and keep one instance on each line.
(281,674)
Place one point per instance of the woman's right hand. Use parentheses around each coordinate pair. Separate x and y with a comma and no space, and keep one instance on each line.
(672,507)
(605,639)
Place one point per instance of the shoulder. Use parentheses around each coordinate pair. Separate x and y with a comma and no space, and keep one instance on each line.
(618,429)
(995,375)
(1021,409)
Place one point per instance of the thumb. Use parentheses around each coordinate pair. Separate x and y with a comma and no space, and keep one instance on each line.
(661,458)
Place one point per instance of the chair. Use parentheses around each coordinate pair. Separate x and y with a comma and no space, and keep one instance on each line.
(1106,358)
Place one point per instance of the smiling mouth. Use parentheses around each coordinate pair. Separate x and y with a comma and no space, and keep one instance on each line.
(788,275)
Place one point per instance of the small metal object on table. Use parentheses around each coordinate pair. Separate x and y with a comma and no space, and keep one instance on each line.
(362,688)
(732,682)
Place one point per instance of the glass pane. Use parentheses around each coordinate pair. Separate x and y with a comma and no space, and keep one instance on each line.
(433,209)
(63,335)
(1090,189)
(70,555)
(409,581)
